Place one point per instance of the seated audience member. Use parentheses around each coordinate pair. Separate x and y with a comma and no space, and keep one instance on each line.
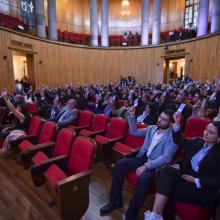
(198,107)
(137,35)
(149,115)
(121,112)
(54,110)
(109,106)
(157,150)
(130,35)
(125,36)
(198,179)
(22,119)
(67,114)
(99,106)
(192,31)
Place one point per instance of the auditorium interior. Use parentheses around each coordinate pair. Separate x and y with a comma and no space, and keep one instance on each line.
(117,69)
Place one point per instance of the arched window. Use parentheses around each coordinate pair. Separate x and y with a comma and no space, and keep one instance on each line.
(191,13)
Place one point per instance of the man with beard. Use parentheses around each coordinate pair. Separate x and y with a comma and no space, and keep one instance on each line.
(158,149)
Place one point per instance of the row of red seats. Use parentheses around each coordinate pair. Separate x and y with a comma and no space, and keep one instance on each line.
(63,165)
(116,131)
(10,22)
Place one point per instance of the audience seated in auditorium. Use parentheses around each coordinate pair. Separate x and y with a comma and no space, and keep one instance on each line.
(197,180)
(147,160)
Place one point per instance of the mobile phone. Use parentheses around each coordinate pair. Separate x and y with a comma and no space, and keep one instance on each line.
(136,102)
(181,107)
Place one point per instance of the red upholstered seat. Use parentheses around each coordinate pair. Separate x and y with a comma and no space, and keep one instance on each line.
(32,107)
(80,159)
(133,179)
(85,132)
(101,139)
(39,157)
(193,212)
(85,119)
(62,147)
(24,145)
(195,127)
(47,134)
(131,142)
(99,123)
(122,147)
(54,174)
(117,128)
(34,126)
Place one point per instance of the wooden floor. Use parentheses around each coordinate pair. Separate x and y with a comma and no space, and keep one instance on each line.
(20,200)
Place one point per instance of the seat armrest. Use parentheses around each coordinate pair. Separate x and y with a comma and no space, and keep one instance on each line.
(93,134)
(27,154)
(23,137)
(38,147)
(112,141)
(53,160)
(75,177)
(38,169)
(133,153)
(80,127)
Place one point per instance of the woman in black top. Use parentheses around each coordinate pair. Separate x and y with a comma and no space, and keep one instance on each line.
(197,180)
(22,119)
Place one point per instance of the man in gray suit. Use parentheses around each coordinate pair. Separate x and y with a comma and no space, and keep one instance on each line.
(67,114)
(158,149)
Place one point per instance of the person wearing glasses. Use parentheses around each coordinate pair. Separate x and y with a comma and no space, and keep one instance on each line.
(67,115)
(158,149)
(197,180)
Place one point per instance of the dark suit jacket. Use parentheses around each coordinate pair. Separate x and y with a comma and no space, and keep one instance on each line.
(69,118)
(209,170)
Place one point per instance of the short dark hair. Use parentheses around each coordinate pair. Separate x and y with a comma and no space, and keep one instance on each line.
(170,114)
(217,125)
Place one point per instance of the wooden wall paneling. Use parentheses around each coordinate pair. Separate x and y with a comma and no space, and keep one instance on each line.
(63,63)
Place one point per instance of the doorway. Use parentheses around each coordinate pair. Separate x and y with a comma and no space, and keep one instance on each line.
(174,68)
(23,68)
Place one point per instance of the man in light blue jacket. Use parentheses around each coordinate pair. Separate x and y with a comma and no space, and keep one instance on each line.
(158,149)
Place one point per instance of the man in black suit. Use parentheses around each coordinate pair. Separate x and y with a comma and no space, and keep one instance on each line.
(54,110)
(198,179)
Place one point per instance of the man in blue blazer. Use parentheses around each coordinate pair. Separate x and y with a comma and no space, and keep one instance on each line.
(67,114)
(158,149)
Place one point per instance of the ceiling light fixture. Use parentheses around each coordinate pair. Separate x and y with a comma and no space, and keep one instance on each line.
(125,3)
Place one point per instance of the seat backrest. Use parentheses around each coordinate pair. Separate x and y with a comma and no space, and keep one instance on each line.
(82,154)
(135,141)
(85,118)
(117,127)
(99,122)
(64,142)
(32,107)
(34,126)
(47,132)
(195,127)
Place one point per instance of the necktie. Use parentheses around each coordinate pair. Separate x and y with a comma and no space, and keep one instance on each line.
(62,115)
